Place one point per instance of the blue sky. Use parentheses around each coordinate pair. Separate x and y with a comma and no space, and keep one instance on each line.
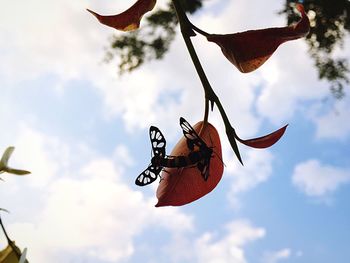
(83,132)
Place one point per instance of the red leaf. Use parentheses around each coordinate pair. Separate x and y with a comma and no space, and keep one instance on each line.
(250,49)
(180,186)
(129,19)
(264,141)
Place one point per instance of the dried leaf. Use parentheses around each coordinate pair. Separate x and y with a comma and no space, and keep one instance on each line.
(180,186)
(250,49)
(128,20)
(264,141)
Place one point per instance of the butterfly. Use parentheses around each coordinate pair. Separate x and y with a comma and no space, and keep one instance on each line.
(200,158)
(193,139)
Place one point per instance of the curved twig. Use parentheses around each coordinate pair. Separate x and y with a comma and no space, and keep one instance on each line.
(187,31)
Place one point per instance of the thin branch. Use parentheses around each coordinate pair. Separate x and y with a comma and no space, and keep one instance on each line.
(187,32)
(9,241)
(4,230)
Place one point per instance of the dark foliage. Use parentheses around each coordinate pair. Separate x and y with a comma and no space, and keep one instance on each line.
(330,22)
(151,41)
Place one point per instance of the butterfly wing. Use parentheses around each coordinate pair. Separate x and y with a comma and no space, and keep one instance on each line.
(158,141)
(203,166)
(191,136)
(148,176)
(193,139)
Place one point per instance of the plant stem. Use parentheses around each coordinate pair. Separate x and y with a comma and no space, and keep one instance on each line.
(4,230)
(187,31)
(198,30)
(9,241)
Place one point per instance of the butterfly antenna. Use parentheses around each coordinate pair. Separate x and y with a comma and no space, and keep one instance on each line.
(216,152)
(219,158)
(211,141)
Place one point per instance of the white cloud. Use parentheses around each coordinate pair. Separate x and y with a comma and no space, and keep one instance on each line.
(81,213)
(46,37)
(122,155)
(69,52)
(68,193)
(318,180)
(78,209)
(276,256)
(281,87)
(73,208)
(286,90)
(257,169)
(69,44)
(36,152)
(335,123)
(239,16)
(62,41)
(230,247)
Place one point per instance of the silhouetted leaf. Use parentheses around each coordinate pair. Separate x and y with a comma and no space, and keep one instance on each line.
(129,19)
(250,49)
(264,141)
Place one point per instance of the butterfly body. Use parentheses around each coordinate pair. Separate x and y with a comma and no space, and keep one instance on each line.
(182,160)
(200,155)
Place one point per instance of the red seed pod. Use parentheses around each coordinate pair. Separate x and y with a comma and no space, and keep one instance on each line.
(180,186)
(264,141)
(250,49)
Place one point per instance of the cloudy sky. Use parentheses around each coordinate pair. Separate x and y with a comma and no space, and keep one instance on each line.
(82,131)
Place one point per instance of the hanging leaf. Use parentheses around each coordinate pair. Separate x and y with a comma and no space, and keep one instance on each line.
(128,20)
(180,186)
(264,141)
(250,49)
(4,163)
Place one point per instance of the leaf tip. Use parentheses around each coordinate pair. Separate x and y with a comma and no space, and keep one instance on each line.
(92,12)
